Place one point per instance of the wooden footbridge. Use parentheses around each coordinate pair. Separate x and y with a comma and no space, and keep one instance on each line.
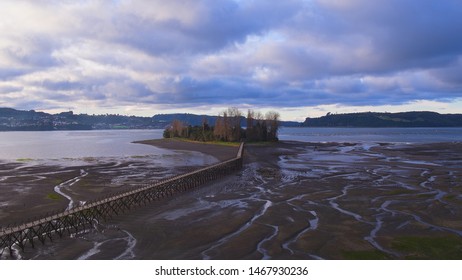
(79,218)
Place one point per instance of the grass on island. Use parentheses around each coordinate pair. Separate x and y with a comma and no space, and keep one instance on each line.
(261,143)
(221,143)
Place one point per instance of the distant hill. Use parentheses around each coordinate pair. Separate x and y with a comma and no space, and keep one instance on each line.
(192,119)
(372,119)
(20,120)
(17,120)
(20,115)
(14,120)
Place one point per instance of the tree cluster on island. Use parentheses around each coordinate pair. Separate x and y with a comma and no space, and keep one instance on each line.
(228,128)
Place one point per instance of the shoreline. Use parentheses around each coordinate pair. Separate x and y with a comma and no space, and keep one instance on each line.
(220,152)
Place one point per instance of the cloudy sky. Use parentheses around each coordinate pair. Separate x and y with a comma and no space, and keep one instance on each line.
(299,57)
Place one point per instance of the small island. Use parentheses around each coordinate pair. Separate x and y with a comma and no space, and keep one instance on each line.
(227,128)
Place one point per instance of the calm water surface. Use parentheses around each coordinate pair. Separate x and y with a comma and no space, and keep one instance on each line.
(76,144)
(364,135)
(118,143)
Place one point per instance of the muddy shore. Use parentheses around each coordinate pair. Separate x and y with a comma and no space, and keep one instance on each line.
(221,152)
(292,200)
(32,189)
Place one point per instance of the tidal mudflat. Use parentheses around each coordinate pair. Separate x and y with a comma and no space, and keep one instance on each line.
(31,188)
(292,200)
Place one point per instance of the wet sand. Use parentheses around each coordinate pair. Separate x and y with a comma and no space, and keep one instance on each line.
(297,200)
(31,189)
(221,152)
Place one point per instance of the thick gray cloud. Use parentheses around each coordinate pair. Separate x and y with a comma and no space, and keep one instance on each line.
(226,52)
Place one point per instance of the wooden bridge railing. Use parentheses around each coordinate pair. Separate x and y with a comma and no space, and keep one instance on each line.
(78,218)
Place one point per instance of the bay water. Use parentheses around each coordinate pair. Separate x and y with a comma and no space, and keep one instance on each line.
(118,143)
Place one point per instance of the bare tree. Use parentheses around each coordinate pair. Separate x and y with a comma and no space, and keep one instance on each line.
(205,128)
(260,127)
(219,130)
(234,127)
(250,129)
(272,125)
(177,128)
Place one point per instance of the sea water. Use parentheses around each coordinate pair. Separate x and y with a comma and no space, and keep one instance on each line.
(118,143)
(76,144)
(370,135)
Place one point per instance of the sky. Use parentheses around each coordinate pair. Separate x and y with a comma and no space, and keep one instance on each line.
(302,58)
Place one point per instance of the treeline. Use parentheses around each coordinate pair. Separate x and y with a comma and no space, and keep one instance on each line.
(20,120)
(228,128)
(375,119)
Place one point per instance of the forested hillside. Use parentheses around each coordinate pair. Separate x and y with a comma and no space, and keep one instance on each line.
(371,119)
